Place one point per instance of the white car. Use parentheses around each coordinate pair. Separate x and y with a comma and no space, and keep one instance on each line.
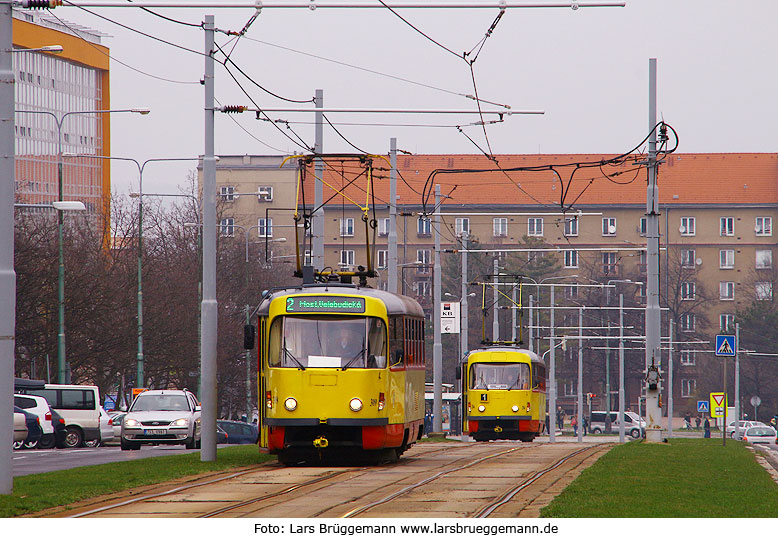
(106,430)
(760,434)
(162,417)
(39,407)
(744,425)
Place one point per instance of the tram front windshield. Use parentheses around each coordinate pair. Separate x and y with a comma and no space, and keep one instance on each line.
(496,376)
(327,342)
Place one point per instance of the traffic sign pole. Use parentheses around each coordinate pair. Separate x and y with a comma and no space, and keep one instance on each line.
(724,425)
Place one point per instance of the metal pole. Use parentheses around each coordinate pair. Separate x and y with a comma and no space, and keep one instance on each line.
(7,274)
(724,424)
(513,314)
(670,380)
(653,314)
(552,375)
(61,356)
(621,368)
(531,330)
(463,337)
(248,373)
(437,347)
(496,317)
(737,382)
(580,375)
(608,373)
(140,378)
(209,309)
(318,195)
(392,240)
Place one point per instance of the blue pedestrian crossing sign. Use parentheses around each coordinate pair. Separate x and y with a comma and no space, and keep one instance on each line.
(703,406)
(725,345)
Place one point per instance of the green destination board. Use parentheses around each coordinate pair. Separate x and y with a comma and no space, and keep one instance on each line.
(338,304)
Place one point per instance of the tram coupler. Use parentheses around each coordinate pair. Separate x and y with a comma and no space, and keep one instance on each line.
(321,442)
(497,429)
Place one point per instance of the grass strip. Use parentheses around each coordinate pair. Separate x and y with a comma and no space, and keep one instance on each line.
(35,492)
(684,478)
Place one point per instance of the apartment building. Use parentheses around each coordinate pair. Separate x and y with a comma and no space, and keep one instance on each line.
(55,87)
(716,228)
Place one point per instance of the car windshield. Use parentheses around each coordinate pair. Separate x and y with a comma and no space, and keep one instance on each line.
(160,402)
(327,342)
(495,376)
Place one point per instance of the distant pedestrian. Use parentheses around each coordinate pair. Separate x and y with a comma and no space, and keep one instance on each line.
(687,421)
(574,423)
(698,421)
(706,426)
(560,418)
(547,426)
(585,425)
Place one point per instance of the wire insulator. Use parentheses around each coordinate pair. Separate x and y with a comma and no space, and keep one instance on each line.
(234,109)
(41,4)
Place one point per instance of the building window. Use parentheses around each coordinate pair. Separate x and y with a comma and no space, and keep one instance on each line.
(609,226)
(609,266)
(726,322)
(727,226)
(422,288)
(347,226)
(688,290)
(571,258)
(424,258)
(688,387)
(227,193)
(265,193)
(265,227)
(642,226)
(227,227)
(726,290)
(687,322)
(571,291)
(688,226)
(346,257)
(535,226)
(764,226)
(687,258)
(569,389)
(424,226)
(571,226)
(726,259)
(383,259)
(462,225)
(764,258)
(500,226)
(764,290)
(383,227)
(687,358)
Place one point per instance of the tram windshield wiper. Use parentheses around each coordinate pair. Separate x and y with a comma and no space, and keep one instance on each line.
(292,357)
(360,354)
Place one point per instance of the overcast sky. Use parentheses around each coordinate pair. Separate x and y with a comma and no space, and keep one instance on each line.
(587,69)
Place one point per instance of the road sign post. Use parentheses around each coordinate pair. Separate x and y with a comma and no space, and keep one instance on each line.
(725,347)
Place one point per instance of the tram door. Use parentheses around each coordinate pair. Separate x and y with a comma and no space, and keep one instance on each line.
(261,383)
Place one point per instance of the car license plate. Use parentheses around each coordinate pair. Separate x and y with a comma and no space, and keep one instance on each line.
(155,432)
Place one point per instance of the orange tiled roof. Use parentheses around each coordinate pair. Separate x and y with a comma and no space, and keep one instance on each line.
(684,179)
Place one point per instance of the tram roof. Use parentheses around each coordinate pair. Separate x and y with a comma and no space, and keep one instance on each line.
(534,357)
(396,304)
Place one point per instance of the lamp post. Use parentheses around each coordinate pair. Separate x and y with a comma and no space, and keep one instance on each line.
(139,378)
(59,120)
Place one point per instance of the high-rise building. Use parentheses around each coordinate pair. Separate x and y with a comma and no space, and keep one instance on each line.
(56,87)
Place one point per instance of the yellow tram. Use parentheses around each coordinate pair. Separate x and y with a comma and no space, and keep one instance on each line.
(340,371)
(504,394)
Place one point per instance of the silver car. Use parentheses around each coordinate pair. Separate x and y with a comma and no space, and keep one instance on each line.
(162,417)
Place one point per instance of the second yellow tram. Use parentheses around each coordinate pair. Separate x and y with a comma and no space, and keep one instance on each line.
(504,394)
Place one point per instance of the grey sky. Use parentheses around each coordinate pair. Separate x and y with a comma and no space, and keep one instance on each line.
(588,69)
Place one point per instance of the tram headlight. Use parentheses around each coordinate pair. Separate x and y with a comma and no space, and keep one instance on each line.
(355,404)
(481,408)
(515,408)
(290,404)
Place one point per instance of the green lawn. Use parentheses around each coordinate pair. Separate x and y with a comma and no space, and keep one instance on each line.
(685,478)
(36,492)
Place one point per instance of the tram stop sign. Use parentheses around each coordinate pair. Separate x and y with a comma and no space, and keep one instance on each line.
(449,317)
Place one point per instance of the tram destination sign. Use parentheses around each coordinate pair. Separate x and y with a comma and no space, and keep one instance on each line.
(330,304)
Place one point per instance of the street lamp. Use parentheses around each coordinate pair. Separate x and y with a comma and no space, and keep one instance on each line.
(139,378)
(59,120)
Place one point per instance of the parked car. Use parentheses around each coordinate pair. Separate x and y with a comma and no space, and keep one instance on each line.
(221,435)
(60,430)
(744,425)
(634,425)
(39,407)
(760,434)
(162,417)
(239,432)
(79,405)
(20,428)
(106,430)
(116,424)
(34,430)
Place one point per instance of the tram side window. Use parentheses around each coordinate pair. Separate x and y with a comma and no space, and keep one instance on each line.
(376,343)
(274,344)
(539,376)
(396,341)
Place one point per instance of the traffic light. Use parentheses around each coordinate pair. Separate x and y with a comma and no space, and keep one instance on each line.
(589,397)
